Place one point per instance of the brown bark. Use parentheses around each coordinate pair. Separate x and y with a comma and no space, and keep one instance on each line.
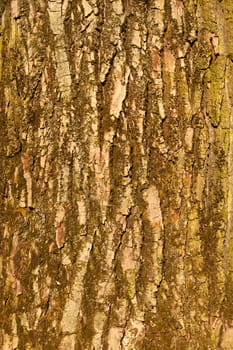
(116,174)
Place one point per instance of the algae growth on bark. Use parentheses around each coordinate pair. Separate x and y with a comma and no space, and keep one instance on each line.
(116,162)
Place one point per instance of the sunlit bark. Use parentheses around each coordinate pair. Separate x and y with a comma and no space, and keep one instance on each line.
(116,174)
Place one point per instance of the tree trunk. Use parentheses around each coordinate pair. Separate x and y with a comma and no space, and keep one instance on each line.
(116,174)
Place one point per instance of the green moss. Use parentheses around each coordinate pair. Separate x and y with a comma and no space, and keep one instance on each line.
(215,77)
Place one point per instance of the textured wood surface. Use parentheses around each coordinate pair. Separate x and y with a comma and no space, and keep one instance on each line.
(116,163)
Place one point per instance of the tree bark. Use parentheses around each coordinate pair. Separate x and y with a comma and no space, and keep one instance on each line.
(116,203)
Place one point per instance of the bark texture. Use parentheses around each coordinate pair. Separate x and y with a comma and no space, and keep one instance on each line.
(116,163)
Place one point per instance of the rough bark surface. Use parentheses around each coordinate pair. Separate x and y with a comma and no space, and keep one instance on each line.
(116,162)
